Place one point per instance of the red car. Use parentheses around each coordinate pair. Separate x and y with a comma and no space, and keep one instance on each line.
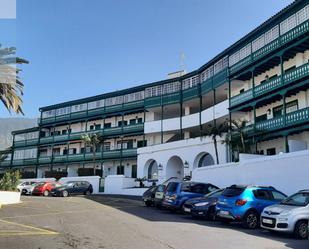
(44,188)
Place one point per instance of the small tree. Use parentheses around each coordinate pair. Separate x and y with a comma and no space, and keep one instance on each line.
(11,86)
(215,131)
(92,140)
(9,181)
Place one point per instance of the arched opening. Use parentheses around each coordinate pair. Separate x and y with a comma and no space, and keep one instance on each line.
(174,168)
(151,169)
(203,159)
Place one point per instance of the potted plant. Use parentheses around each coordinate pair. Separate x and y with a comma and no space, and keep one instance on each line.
(9,193)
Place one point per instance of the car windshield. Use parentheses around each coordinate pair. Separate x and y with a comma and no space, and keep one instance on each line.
(215,193)
(233,191)
(69,184)
(172,186)
(41,183)
(299,199)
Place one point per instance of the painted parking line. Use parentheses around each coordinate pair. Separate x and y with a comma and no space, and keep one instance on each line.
(29,230)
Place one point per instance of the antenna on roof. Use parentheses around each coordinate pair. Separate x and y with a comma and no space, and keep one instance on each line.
(182,61)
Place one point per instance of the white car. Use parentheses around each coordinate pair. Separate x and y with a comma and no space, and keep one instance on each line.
(291,215)
(26,187)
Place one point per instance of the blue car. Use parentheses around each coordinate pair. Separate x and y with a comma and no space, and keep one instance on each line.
(177,193)
(246,203)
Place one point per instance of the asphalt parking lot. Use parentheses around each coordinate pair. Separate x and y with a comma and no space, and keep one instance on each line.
(117,222)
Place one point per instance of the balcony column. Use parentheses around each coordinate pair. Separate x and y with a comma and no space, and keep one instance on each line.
(180,116)
(122,122)
(214,109)
(281,68)
(254,117)
(284,107)
(253,82)
(68,149)
(52,157)
(161,121)
(144,120)
(200,108)
(121,147)
(12,152)
(69,131)
(286,143)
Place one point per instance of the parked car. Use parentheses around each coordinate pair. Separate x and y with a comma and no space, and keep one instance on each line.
(149,195)
(291,215)
(177,193)
(203,207)
(26,187)
(246,203)
(73,188)
(44,188)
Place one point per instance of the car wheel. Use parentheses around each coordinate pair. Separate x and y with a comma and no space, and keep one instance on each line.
(87,192)
(148,203)
(24,192)
(301,230)
(251,220)
(65,193)
(46,193)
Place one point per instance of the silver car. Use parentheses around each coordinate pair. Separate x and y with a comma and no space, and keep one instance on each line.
(291,215)
(26,187)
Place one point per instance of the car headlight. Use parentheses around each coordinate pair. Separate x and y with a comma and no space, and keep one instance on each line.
(201,204)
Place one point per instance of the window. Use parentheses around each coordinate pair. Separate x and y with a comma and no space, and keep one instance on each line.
(120,170)
(141,143)
(140,120)
(233,191)
(72,151)
(134,171)
(97,127)
(271,151)
(277,195)
(262,194)
(125,122)
(241,90)
(56,151)
(107,125)
(132,121)
(107,146)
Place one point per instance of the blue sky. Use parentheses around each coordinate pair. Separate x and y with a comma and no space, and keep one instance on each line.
(80,48)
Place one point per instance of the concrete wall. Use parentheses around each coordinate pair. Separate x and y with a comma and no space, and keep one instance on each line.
(9,197)
(188,150)
(114,184)
(287,172)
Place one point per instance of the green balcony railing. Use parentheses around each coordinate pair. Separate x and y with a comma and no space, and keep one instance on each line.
(105,155)
(290,119)
(240,98)
(28,142)
(105,132)
(294,33)
(272,84)
(268,86)
(94,112)
(5,163)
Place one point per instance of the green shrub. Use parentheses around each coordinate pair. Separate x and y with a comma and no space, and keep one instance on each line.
(9,181)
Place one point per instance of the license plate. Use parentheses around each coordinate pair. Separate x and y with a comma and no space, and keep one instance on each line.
(187,210)
(267,221)
(224,212)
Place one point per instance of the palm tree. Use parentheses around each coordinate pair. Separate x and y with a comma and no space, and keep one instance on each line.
(238,129)
(11,86)
(215,131)
(92,140)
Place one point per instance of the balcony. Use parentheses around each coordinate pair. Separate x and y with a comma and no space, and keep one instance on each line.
(105,155)
(5,163)
(29,142)
(94,112)
(128,129)
(291,119)
(271,85)
(294,33)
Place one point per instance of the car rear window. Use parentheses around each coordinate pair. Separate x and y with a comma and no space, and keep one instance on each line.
(233,191)
(172,186)
(198,188)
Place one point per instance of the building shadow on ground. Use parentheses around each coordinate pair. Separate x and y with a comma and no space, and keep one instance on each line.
(133,205)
